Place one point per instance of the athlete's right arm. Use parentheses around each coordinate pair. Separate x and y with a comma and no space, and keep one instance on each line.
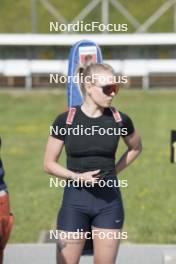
(52,153)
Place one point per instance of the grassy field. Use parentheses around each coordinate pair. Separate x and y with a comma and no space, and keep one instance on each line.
(150,197)
(15,16)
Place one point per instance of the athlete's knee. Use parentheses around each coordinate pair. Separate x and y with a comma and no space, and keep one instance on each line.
(61,244)
(67,256)
(104,261)
(62,259)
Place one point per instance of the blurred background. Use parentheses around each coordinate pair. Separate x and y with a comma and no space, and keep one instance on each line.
(29,103)
(29,51)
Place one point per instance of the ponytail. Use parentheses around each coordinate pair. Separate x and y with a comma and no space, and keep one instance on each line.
(86,71)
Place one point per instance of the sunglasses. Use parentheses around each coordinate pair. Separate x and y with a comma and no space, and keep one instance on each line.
(109,88)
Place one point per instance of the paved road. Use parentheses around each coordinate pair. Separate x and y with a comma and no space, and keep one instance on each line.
(128,254)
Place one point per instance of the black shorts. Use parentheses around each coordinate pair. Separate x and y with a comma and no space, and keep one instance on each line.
(84,207)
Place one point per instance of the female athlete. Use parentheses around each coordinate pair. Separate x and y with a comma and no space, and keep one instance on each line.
(90,134)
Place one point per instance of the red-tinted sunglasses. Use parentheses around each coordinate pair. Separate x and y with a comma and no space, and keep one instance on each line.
(109,88)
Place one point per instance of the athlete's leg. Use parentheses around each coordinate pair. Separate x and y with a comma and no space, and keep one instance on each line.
(106,244)
(69,248)
(72,223)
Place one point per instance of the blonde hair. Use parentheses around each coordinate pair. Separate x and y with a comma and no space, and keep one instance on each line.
(86,71)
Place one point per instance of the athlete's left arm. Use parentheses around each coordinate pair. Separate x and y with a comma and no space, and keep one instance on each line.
(134,145)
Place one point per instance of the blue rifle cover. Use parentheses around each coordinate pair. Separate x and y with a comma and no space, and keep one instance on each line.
(73,92)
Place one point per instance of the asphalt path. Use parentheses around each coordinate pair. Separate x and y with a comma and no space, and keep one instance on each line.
(128,254)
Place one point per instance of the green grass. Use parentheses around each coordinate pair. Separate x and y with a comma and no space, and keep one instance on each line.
(149,199)
(15,16)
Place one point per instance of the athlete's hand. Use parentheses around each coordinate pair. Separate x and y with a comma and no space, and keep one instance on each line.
(89,176)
